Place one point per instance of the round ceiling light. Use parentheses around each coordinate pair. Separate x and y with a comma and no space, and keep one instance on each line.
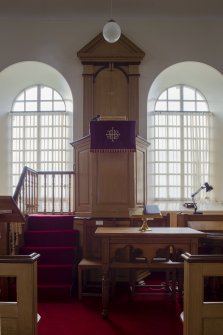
(111,31)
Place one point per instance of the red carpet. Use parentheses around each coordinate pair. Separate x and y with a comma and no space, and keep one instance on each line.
(126,317)
(53,237)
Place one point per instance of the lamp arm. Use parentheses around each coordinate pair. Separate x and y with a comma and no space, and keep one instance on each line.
(208,188)
(195,193)
(195,205)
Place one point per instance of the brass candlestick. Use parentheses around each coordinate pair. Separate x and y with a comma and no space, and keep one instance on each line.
(138,214)
(145,226)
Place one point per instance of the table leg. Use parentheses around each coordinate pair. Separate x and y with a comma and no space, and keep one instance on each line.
(180,279)
(105,293)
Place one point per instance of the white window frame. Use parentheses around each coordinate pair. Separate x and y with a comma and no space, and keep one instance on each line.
(59,124)
(179,177)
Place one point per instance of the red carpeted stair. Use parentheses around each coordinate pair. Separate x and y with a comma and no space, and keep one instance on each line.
(53,237)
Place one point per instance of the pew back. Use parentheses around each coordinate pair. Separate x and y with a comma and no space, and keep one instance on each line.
(203,302)
(20,317)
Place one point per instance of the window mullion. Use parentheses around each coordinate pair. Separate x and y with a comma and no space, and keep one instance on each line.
(182,145)
(39,121)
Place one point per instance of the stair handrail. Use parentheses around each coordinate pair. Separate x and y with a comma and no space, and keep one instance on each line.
(29,199)
(21,182)
(26,192)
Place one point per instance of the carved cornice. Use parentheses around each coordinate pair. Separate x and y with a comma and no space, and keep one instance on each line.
(100,51)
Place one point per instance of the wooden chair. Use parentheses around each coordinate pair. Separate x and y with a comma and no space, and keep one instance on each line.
(84,265)
(167,262)
(90,264)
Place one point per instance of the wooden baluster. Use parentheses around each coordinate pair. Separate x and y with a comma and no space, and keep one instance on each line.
(44,196)
(61,195)
(69,193)
(53,195)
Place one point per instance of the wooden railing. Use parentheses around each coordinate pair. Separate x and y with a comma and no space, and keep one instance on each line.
(45,192)
(26,192)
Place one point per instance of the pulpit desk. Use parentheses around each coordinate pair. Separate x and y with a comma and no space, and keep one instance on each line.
(124,241)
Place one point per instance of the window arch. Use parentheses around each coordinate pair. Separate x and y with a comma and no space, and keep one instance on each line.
(40,131)
(180,136)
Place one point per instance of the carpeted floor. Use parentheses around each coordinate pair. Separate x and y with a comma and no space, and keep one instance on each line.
(144,316)
(53,237)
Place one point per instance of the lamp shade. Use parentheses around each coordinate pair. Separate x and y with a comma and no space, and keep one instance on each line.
(208,187)
(111,31)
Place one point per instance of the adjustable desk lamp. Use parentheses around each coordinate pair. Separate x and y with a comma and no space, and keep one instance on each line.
(208,189)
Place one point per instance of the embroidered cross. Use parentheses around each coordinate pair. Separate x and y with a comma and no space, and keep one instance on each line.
(112,134)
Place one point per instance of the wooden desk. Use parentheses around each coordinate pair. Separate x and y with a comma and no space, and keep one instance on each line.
(120,243)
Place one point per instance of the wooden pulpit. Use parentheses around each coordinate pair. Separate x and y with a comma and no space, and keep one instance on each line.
(107,183)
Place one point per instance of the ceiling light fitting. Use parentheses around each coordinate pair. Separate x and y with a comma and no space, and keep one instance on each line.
(111,30)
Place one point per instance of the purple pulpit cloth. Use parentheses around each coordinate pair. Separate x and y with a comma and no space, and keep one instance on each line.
(113,136)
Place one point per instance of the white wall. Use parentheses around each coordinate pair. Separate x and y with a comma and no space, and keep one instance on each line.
(165,42)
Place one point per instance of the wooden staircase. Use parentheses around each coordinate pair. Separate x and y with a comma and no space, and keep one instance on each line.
(53,237)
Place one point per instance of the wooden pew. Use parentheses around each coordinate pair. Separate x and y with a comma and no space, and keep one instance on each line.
(211,224)
(201,316)
(205,222)
(20,317)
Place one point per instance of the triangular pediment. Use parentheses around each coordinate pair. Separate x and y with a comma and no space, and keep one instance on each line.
(98,50)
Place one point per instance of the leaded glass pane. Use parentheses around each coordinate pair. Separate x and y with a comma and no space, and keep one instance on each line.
(46,93)
(174,93)
(161,106)
(31,93)
(174,106)
(188,93)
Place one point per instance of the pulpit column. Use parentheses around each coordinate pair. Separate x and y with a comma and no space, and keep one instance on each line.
(88,77)
(134,94)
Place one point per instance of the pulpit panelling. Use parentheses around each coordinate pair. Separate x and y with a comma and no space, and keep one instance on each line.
(108,184)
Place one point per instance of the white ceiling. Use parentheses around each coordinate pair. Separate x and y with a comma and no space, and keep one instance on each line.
(101,8)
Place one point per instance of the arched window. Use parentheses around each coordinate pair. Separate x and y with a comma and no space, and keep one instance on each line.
(180,136)
(40,131)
